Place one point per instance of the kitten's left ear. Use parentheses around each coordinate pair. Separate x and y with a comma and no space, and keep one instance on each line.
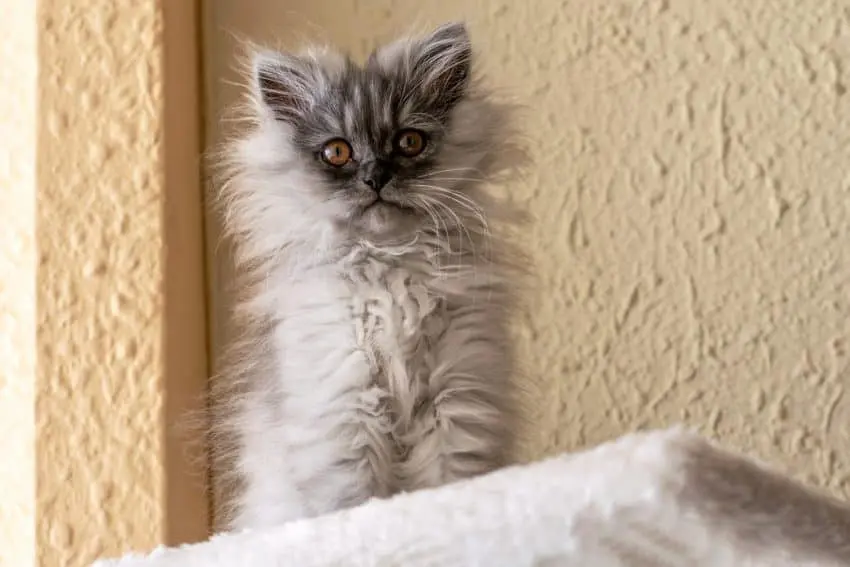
(442,61)
(437,65)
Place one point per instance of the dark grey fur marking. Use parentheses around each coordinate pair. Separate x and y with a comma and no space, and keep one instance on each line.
(367,106)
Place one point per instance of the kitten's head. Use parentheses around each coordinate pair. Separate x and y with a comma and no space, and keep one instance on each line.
(391,147)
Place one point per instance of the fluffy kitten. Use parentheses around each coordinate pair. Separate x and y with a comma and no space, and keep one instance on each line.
(375,355)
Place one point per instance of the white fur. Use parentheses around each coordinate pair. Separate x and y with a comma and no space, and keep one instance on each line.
(656,499)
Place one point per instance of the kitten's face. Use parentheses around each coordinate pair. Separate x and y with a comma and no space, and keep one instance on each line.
(381,146)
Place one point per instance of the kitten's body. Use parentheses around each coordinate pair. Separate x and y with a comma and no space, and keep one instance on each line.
(376,358)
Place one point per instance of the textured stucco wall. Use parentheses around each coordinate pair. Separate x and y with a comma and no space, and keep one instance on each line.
(692,195)
(17,281)
(100,482)
(120,305)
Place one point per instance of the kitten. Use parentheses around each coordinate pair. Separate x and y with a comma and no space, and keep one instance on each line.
(375,357)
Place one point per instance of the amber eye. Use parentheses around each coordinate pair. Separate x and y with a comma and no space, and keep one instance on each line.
(336,152)
(410,143)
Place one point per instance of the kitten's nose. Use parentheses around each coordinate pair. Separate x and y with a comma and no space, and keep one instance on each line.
(376,174)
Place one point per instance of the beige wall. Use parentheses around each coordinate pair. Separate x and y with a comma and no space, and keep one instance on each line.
(17,281)
(692,196)
(121,330)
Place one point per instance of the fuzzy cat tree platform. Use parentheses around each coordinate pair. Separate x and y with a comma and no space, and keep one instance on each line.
(659,499)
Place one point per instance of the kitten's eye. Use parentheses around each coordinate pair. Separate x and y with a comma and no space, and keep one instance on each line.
(336,152)
(410,143)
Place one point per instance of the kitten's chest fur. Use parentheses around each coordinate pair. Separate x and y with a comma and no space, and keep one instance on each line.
(385,372)
(398,315)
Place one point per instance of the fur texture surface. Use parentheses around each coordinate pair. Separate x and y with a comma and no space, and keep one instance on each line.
(374,355)
(653,499)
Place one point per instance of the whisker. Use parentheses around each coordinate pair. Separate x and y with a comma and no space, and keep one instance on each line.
(461,225)
(475,264)
(435,218)
(461,200)
(466,203)
(469,179)
(453,170)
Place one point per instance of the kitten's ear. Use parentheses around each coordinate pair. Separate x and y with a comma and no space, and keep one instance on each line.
(285,84)
(437,65)
(442,61)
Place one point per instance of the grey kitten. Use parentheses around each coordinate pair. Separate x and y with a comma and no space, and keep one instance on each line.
(375,357)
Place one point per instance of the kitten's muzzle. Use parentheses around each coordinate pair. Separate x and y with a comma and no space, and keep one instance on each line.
(376,174)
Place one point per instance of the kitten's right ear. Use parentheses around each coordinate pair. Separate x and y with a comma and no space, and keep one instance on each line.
(285,84)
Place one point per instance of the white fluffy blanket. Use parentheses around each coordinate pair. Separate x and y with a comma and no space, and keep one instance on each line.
(664,499)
